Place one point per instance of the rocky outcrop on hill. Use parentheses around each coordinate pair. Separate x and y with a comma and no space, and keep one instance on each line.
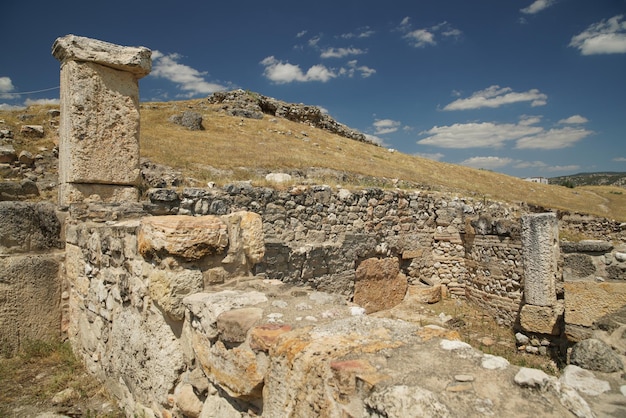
(252,105)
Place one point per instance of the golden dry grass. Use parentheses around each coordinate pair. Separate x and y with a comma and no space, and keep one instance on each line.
(276,144)
(239,146)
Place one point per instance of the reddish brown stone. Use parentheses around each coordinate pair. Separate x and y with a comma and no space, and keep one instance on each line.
(263,337)
(379,284)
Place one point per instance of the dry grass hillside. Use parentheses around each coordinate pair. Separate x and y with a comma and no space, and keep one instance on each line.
(232,148)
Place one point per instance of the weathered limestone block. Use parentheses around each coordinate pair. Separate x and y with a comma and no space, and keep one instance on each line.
(246,243)
(141,354)
(542,319)
(379,284)
(234,325)
(205,308)
(540,239)
(99,125)
(30,297)
(189,237)
(135,60)
(424,294)
(77,192)
(586,302)
(168,288)
(235,370)
(28,227)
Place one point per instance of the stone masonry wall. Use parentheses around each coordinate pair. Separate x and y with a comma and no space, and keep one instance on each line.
(32,301)
(318,236)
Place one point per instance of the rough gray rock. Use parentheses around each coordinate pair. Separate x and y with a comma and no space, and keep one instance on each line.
(28,227)
(593,354)
(252,105)
(189,120)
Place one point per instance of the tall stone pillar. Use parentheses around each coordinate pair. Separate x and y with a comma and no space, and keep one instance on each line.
(540,239)
(99,126)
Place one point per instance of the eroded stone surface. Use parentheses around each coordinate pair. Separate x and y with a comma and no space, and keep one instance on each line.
(540,237)
(189,237)
(379,284)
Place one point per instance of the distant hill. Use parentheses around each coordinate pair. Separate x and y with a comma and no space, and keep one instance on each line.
(591,179)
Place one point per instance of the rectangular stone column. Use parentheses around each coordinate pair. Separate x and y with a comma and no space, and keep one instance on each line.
(540,240)
(99,126)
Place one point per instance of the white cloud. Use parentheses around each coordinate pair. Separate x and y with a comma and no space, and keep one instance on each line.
(574,120)
(620,159)
(301,34)
(420,38)
(341,52)
(283,72)
(474,135)
(187,78)
(537,6)
(487,162)
(496,96)
(353,67)
(605,37)
(362,34)
(386,126)
(374,139)
(29,102)
(314,41)
(530,164)
(553,138)
(6,87)
(6,106)
(437,156)
(572,167)
(494,135)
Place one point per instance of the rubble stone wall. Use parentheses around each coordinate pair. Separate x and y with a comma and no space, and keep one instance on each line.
(318,236)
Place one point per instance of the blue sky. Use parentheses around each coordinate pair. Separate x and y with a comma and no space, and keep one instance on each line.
(522,87)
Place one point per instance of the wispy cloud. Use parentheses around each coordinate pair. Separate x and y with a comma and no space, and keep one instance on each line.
(553,138)
(555,168)
(353,67)
(191,81)
(604,37)
(620,159)
(537,6)
(574,120)
(495,135)
(359,34)
(423,37)
(386,126)
(496,96)
(487,162)
(301,34)
(476,135)
(341,52)
(29,102)
(437,156)
(281,72)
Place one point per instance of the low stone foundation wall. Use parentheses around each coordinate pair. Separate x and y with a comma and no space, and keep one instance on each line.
(318,236)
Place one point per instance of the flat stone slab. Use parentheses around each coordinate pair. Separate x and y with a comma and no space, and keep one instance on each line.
(136,60)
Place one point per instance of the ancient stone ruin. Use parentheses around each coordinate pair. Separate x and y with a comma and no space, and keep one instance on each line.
(247,301)
(99,128)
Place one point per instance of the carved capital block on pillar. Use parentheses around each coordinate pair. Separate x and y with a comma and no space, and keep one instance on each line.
(540,239)
(99,127)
